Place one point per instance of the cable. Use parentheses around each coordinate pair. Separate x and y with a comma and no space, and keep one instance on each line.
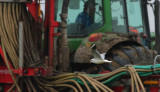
(155,61)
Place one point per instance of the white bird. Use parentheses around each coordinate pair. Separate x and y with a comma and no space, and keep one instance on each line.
(98,58)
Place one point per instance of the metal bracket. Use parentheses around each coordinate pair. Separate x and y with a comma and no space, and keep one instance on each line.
(154,65)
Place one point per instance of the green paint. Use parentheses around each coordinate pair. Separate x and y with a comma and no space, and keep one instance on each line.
(74,43)
(107,18)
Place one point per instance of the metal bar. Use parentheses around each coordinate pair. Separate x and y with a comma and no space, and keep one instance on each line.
(63,46)
(126,15)
(146,22)
(157,32)
(31,71)
(51,31)
(16,1)
(46,36)
(21,45)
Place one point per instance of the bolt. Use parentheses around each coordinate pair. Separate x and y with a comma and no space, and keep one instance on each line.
(25,71)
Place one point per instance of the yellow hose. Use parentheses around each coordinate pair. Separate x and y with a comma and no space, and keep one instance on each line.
(10,15)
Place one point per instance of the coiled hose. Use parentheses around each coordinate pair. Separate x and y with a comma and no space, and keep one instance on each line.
(10,15)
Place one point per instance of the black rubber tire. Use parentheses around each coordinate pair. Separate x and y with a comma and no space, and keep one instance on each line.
(130,55)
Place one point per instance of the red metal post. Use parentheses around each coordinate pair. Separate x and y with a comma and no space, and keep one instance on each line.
(50,24)
(51,31)
(46,14)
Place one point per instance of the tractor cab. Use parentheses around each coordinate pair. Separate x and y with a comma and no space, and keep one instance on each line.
(90,16)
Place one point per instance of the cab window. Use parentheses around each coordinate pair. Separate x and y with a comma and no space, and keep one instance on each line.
(119,18)
(84,16)
(135,15)
(126,13)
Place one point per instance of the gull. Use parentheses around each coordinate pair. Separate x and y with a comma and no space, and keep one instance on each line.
(98,58)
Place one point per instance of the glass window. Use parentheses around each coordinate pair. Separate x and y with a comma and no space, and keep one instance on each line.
(135,15)
(131,15)
(84,16)
(118,16)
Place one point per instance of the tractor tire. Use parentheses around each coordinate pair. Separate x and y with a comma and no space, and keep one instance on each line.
(122,53)
(130,55)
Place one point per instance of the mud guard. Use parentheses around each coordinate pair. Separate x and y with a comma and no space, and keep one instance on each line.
(118,48)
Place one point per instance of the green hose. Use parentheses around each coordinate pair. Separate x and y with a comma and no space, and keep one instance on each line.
(114,77)
(119,75)
(146,66)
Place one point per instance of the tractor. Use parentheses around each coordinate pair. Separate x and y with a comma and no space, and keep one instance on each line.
(120,28)
(34,47)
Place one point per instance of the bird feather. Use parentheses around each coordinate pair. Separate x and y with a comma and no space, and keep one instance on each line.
(98,58)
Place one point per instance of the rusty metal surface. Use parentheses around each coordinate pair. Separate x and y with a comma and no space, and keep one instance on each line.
(83,55)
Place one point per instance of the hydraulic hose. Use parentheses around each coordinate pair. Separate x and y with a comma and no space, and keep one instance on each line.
(10,15)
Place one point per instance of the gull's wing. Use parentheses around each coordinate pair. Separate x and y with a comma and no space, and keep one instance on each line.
(107,61)
(98,61)
(95,53)
(103,55)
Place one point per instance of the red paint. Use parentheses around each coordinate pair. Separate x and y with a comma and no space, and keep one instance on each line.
(135,31)
(5,76)
(154,89)
(118,88)
(132,29)
(95,37)
(51,31)
(33,9)
(1,53)
(46,14)
(103,72)
(151,77)
(159,83)
(50,24)
(7,87)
